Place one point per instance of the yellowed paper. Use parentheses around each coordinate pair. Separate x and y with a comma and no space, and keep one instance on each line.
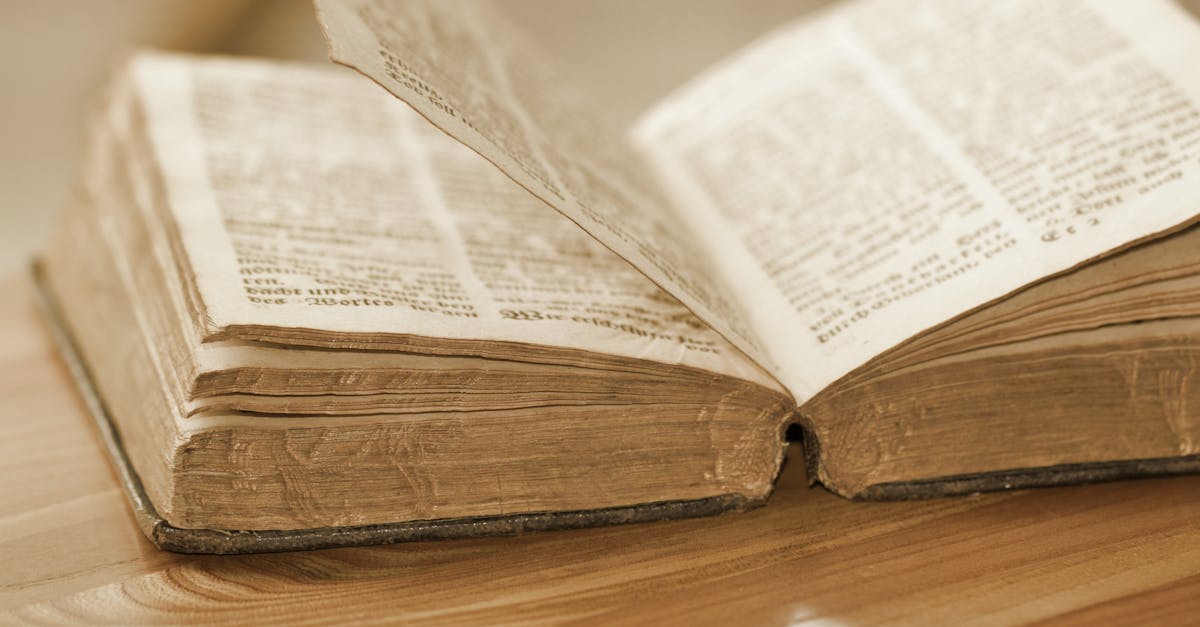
(462,66)
(354,214)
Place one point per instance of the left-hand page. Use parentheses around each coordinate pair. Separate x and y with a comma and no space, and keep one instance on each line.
(372,222)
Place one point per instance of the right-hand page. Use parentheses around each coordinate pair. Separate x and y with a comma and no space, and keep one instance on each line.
(884,167)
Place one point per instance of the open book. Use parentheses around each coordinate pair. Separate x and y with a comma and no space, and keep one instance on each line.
(946,244)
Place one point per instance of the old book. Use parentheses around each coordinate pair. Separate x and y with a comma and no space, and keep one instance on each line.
(947,245)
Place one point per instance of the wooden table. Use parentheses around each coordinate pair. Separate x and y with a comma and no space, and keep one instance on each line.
(1121,551)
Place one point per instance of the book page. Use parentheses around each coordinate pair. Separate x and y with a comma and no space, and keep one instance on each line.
(465,68)
(353,214)
(884,167)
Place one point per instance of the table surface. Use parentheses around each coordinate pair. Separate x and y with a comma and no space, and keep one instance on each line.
(1127,551)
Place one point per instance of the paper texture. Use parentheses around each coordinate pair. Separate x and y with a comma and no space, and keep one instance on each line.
(353,214)
(462,66)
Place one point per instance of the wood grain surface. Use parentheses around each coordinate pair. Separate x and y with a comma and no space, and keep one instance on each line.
(1121,552)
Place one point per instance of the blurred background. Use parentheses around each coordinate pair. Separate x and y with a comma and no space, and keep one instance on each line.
(54,54)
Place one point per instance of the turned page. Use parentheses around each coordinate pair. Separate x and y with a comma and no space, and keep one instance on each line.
(352,214)
(465,68)
(883,167)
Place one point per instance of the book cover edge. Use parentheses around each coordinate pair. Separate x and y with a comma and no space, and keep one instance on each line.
(166,536)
